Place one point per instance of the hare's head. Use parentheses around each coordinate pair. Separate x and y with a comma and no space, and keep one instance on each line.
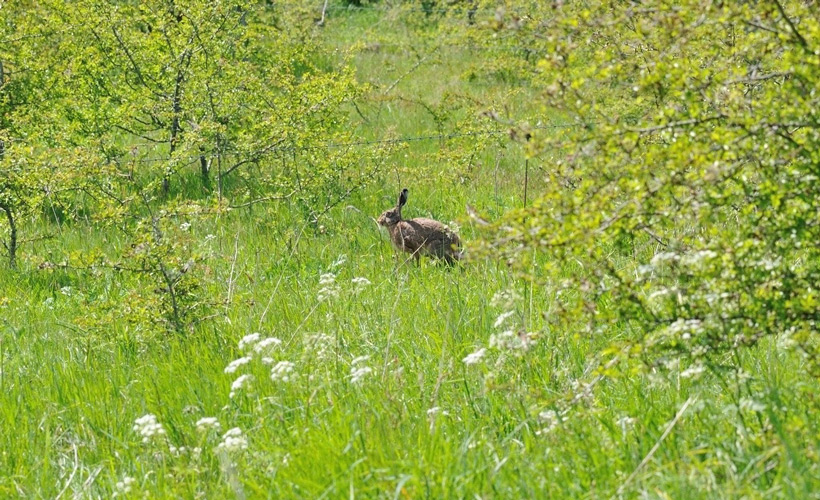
(393,216)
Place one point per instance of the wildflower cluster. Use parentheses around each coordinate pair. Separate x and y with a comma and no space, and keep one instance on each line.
(148,427)
(233,441)
(358,370)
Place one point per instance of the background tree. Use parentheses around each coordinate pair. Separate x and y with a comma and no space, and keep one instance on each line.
(695,150)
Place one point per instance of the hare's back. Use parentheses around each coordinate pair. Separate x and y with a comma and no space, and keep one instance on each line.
(432,233)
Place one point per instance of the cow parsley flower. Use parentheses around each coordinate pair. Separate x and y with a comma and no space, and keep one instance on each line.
(148,427)
(329,288)
(320,346)
(551,419)
(693,371)
(502,318)
(232,441)
(509,340)
(248,340)
(358,373)
(206,423)
(282,371)
(235,364)
(239,383)
(436,410)
(124,487)
(266,345)
(474,357)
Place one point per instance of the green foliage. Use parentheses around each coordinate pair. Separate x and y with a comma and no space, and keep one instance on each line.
(694,155)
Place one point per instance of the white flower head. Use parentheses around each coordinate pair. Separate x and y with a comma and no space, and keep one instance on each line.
(148,427)
(358,373)
(319,346)
(248,340)
(241,382)
(474,357)
(235,364)
(510,341)
(204,424)
(436,410)
(551,419)
(329,288)
(693,371)
(502,318)
(360,283)
(124,487)
(359,359)
(282,371)
(266,345)
(505,298)
(185,226)
(233,441)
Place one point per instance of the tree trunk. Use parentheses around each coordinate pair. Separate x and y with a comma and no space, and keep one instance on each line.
(205,170)
(12,245)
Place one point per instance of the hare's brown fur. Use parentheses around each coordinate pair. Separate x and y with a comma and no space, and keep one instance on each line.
(420,236)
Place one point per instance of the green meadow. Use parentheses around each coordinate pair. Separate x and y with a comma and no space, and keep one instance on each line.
(315,361)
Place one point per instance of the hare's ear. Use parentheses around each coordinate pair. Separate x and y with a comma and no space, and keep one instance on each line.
(402,198)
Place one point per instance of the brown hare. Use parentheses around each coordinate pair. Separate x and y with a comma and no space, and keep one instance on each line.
(420,236)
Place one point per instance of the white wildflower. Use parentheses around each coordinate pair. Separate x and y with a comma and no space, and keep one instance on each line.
(282,371)
(321,345)
(124,487)
(328,289)
(210,237)
(693,371)
(551,419)
(436,410)
(235,364)
(359,359)
(239,383)
(625,423)
(510,341)
(267,360)
(248,340)
(502,318)
(360,283)
(206,423)
(505,298)
(233,440)
(176,452)
(339,261)
(66,290)
(185,226)
(266,345)
(474,357)
(357,373)
(148,427)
